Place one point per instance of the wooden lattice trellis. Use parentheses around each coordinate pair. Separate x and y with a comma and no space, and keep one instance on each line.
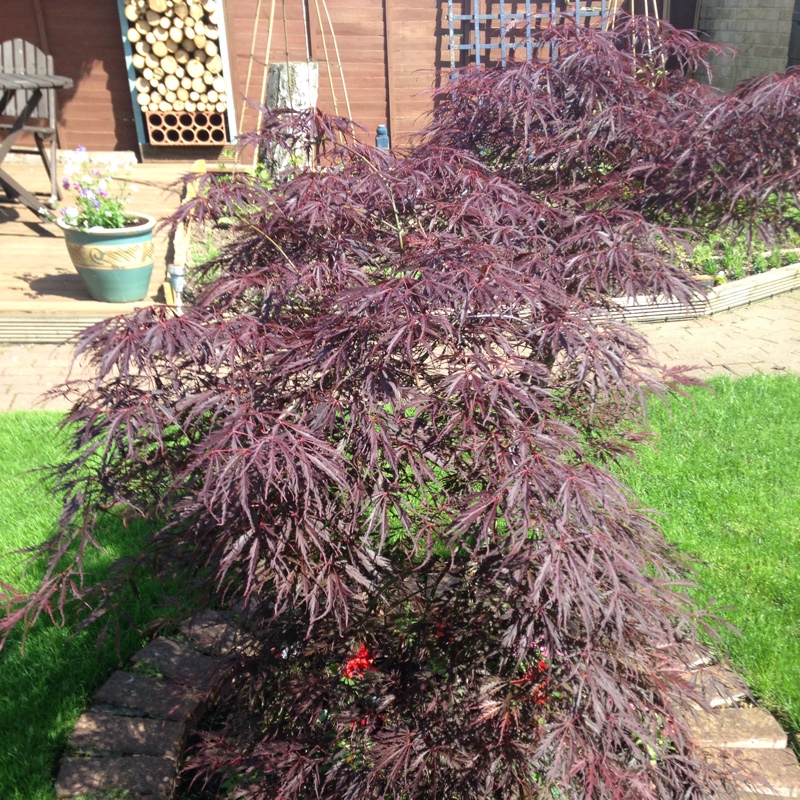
(479,27)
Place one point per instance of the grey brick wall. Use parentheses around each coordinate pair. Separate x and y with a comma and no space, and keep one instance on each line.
(759,31)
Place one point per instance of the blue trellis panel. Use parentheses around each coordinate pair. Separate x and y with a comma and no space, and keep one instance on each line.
(492,31)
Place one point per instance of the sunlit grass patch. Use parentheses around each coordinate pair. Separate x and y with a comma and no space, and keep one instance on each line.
(725,472)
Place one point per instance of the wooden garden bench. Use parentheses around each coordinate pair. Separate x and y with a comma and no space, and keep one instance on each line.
(28,87)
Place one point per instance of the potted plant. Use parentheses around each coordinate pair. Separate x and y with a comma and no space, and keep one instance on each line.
(110,247)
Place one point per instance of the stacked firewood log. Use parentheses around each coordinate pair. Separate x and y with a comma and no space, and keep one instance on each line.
(176,55)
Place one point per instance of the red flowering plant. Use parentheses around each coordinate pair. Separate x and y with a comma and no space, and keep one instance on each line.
(385,420)
(437,684)
(536,680)
(357,665)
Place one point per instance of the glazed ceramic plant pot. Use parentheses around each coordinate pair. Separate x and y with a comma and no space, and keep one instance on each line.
(115,264)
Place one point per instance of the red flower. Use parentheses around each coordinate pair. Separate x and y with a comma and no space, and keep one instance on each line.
(536,675)
(540,695)
(356,666)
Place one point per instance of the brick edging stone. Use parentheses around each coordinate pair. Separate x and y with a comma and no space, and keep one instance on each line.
(130,741)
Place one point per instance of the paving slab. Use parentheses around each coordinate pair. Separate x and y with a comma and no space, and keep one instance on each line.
(178,662)
(695,658)
(760,338)
(140,775)
(211,631)
(110,733)
(718,685)
(736,728)
(29,372)
(761,772)
(140,695)
(751,796)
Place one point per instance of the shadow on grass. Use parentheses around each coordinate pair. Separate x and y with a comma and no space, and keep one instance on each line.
(44,688)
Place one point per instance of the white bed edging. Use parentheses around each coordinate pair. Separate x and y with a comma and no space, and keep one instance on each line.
(731,295)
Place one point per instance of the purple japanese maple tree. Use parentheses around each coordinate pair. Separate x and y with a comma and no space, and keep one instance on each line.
(383,427)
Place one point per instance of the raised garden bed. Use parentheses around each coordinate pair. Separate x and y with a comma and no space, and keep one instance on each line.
(725,297)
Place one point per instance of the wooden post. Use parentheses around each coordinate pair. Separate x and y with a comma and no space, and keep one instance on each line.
(37,9)
(228,50)
(388,43)
(295,85)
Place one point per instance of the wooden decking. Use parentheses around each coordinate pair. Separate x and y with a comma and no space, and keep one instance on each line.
(42,298)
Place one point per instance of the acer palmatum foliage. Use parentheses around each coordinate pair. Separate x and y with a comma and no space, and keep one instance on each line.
(382,428)
(607,125)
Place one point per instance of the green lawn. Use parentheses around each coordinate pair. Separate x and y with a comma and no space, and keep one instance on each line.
(44,689)
(725,472)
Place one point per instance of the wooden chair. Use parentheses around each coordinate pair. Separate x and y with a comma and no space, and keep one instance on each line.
(23,59)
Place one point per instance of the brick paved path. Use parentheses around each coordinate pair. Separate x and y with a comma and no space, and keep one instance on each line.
(761,338)
(27,372)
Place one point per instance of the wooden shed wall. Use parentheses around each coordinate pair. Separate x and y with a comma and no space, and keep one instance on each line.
(85,42)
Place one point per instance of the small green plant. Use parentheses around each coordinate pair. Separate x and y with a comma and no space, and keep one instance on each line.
(759,263)
(728,254)
(729,257)
(147,669)
(775,259)
(705,260)
(203,251)
(734,259)
(202,255)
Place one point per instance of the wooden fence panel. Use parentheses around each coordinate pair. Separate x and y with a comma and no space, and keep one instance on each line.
(356,76)
(417,57)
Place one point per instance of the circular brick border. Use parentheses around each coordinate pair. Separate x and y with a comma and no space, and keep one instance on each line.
(130,741)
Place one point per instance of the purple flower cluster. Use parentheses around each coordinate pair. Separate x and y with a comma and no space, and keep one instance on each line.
(100,200)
